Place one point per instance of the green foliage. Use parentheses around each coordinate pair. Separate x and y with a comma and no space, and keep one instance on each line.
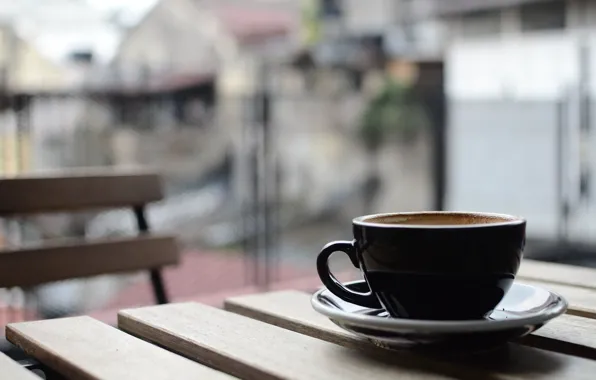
(392,113)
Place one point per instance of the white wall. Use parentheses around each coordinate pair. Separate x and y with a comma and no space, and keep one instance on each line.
(533,67)
(503,93)
(520,65)
(163,39)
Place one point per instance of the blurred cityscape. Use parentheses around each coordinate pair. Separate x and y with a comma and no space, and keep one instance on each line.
(275,122)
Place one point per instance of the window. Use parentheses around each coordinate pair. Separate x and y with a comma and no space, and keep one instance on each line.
(481,23)
(331,9)
(543,16)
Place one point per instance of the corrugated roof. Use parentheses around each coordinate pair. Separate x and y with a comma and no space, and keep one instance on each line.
(247,23)
(250,20)
(452,7)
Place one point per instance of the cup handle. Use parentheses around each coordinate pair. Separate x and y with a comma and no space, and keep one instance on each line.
(336,287)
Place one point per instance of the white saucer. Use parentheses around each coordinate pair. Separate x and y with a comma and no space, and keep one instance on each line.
(524,309)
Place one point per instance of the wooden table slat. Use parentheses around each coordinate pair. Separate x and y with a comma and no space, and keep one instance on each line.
(291,310)
(568,334)
(84,348)
(253,349)
(555,273)
(9,369)
(582,301)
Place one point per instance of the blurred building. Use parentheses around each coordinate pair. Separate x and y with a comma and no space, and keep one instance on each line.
(520,88)
(186,37)
(23,69)
(198,63)
(38,43)
(339,30)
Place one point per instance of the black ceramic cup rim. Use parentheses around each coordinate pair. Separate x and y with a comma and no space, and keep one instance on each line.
(503,220)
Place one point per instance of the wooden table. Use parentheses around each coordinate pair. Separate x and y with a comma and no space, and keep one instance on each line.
(278,336)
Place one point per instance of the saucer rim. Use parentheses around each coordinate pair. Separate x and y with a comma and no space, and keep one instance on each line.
(551,311)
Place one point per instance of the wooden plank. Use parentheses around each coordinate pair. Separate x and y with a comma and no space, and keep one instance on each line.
(252,349)
(568,334)
(37,265)
(582,301)
(291,310)
(83,348)
(9,369)
(78,190)
(560,274)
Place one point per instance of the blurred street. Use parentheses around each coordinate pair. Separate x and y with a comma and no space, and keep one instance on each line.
(273,123)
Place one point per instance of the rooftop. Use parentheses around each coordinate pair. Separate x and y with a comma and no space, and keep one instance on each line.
(246,23)
(451,7)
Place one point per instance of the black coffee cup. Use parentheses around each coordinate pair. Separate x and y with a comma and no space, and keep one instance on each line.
(431,265)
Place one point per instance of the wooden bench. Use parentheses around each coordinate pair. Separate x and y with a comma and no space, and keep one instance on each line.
(26,266)
(92,189)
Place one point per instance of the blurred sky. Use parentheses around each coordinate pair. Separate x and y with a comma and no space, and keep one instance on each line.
(130,10)
(58,27)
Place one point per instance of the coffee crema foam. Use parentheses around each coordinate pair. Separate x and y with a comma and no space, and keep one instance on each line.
(439,219)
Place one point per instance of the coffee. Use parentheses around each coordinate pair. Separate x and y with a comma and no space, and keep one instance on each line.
(431,265)
(444,219)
